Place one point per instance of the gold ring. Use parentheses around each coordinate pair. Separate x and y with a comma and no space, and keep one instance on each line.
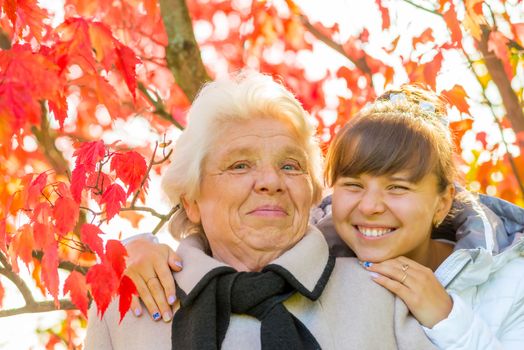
(404,277)
(151,278)
(405,267)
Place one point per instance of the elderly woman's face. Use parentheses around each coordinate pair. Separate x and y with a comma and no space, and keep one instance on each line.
(256,191)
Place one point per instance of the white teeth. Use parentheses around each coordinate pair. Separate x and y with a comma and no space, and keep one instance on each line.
(373,232)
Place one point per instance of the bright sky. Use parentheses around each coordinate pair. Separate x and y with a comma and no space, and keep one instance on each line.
(18,332)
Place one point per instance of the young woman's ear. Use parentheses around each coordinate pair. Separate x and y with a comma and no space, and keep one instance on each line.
(444,205)
(192,210)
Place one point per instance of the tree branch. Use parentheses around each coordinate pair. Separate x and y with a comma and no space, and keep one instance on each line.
(495,68)
(182,51)
(8,272)
(424,8)
(40,306)
(360,63)
(46,138)
(486,100)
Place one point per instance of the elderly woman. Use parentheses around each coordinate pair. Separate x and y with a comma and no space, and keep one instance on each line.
(245,173)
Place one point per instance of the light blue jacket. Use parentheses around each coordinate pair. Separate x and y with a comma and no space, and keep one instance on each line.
(484,276)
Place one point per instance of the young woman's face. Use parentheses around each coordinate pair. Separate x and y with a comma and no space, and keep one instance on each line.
(382,217)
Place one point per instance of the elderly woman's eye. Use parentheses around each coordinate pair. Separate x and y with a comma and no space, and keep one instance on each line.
(239,166)
(291,166)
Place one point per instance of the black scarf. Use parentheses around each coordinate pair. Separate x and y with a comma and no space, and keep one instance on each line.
(203,318)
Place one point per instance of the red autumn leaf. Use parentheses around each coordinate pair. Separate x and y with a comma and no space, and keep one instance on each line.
(351,77)
(126,63)
(384,12)
(102,42)
(457,97)
(50,269)
(29,14)
(481,136)
(114,197)
(126,290)
(89,234)
(450,16)
(65,213)
(3,238)
(76,285)
(130,167)
(9,7)
(431,70)
(104,283)
(89,154)
(78,182)
(426,36)
(2,293)
(115,254)
(43,235)
(23,243)
(34,190)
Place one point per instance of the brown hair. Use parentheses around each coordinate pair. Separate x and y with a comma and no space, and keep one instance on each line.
(404,129)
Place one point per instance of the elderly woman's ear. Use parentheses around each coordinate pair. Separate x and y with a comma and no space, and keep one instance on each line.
(192,210)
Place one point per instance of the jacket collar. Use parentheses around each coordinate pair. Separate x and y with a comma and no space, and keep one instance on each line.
(307,262)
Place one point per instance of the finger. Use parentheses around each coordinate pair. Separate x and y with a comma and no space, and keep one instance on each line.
(159,297)
(135,306)
(175,262)
(393,286)
(167,283)
(147,298)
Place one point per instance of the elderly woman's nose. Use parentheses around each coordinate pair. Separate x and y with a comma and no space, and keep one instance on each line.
(371,202)
(269,180)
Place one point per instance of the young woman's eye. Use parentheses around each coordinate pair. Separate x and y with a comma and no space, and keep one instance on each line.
(398,188)
(352,185)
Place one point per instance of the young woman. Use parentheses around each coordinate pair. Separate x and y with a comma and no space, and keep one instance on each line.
(457,264)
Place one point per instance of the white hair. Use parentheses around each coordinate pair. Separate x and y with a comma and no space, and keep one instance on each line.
(242,96)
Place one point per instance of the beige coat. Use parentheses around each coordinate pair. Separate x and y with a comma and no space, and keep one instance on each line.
(353,312)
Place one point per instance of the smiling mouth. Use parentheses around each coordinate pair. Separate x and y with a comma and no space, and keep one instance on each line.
(374,232)
(270,211)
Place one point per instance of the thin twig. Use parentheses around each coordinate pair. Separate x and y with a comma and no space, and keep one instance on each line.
(424,8)
(146,175)
(159,107)
(164,220)
(41,306)
(8,272)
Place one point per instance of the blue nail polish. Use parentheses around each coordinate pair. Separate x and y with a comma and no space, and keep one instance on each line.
(179,264)
(367,264)
(156,316)
(138,312)
(171,299)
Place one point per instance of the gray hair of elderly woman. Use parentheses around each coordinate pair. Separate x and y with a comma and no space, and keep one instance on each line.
(245,96)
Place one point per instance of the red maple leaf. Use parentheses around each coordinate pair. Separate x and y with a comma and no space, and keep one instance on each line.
(104,283)
(126,63)
(23,243)
(432,68)
(457,97)
(50,269)
(78,182)
(25,13)
(43,235)
(76,285)
(130,167)
(386,22)
(3,237)
(2,293)
(89,234)
(116,254)
(114,197)
(34,190)
(126,290)
(450,17)
(89,154)
(498,44)
(65,213)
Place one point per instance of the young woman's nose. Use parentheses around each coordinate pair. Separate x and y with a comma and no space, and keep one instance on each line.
(371,202)
(269,180)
